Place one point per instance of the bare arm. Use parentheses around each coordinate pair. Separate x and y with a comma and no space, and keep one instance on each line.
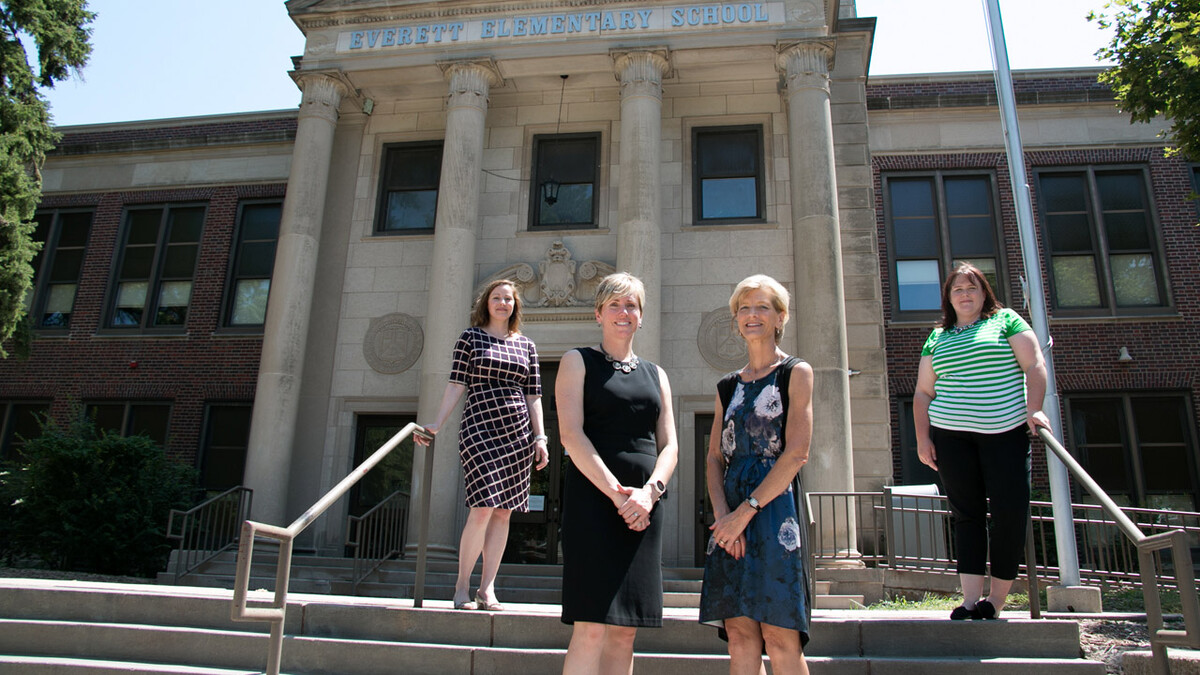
(641,501)
(541,451)
(715,463)
(923,396)
(450,398)
(1029,357)
(568,393)
(730,528)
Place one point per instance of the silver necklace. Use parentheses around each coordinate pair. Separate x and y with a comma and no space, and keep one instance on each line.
(623,366)
(958,329)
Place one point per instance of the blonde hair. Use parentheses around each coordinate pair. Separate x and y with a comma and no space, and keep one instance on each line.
(480,315)
(779,299)
(619,285)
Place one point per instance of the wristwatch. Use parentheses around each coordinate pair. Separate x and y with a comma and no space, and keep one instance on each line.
(754,504)
(657,489)
(540,437)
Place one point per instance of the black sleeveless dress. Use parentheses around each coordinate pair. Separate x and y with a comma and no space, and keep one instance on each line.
(611,574)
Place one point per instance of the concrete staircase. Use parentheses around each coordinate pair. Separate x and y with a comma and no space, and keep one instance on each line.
(82,628)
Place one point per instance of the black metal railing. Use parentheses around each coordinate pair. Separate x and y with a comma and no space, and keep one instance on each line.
(208,529)
(377,535)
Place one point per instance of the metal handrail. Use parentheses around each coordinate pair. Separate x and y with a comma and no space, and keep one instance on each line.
(1176,540)
(377,535)
(275,612)
(208,529)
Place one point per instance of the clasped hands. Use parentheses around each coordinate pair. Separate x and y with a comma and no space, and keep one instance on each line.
(729,532)
(634,505)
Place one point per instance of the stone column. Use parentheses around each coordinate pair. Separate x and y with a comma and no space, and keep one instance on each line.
(640,186)
(820,302)
(277,397)
(452,284)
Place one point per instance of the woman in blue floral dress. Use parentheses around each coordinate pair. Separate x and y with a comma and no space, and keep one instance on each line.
(754,576)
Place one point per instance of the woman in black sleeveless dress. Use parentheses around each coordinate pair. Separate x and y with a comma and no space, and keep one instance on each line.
(616,422)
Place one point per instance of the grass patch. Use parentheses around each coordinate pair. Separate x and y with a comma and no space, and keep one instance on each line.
(1112,599)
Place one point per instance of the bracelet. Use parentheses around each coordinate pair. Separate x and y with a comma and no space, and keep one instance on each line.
(540,437)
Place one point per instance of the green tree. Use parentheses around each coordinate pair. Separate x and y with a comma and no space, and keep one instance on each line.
(60,33)
(1156,48)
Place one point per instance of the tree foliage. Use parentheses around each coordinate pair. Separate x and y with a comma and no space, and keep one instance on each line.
(59,32)
(1156,48)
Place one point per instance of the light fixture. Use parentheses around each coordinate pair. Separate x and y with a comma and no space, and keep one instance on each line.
(1123,355)
(550,186)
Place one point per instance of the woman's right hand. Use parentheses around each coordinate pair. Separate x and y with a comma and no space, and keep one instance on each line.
(430,429)
(927,453)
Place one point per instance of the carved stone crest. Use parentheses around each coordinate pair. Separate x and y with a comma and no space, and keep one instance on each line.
(557,282)
(393,343)
(719,344)
(558,277)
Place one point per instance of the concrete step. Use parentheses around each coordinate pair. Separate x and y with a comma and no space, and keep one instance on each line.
(52,665)
(838,602)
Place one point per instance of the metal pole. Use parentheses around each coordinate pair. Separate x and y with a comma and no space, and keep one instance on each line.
(1060,488)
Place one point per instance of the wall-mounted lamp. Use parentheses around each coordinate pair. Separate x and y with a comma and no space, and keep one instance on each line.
(368,106)
(1123,355)
(550,186)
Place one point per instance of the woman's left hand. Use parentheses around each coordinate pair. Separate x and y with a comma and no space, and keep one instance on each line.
(1037,418)
(636,509)
(541,454)
(730,533)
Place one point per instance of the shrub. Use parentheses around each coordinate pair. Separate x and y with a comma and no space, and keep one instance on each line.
(91,501)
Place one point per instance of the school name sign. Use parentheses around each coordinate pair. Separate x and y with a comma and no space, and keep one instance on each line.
(561,25)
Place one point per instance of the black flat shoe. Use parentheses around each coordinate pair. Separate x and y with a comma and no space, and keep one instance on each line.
(985,610)
(961,613)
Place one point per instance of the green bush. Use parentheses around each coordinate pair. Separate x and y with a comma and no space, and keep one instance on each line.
(90,501)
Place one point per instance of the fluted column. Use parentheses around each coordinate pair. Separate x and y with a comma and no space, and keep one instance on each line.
(820,297)
(277,397)
(640,186)
(452,280)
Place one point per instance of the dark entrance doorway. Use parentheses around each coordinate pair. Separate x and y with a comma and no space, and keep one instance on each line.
(393,473)
(704,508)
(533,536)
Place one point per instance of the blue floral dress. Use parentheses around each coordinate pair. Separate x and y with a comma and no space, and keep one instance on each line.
(768,584)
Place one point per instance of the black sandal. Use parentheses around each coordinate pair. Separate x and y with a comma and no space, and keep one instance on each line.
(985,610)
(961,613)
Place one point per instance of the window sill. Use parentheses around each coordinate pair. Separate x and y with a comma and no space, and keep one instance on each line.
(725,227)
(565,232)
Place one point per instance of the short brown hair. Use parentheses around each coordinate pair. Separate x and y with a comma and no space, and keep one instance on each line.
(619,285)
(479,313)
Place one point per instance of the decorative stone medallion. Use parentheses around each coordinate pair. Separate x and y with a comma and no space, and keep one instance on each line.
(393,343)
(719,344)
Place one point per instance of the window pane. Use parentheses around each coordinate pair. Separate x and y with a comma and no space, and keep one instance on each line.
(918,284)
(1069,233)
(250,302)
(413,167)
(1096,429)
(574,206)
(108,416)
(1062,193)
(1075,283)
(1120,191)
(411,210)
(186,225)
(60,299)
(971,236)
(915,237)
(173,297)
(151,420)
(1127,231)
(260,221)
(131,303)
(728,153)
(911,198)
(728,198)
(74,229)
(180,261)
(143,226)
(137,263)
(968,197)
(1159,419)
(256,259)
(66,265)
(1134,280)
(571,160)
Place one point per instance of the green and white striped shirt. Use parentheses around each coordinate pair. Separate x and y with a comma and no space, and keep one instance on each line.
(980,386)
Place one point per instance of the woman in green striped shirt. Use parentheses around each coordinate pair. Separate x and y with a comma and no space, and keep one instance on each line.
(981,382)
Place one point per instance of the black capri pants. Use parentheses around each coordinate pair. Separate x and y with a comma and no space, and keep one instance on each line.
(977,469)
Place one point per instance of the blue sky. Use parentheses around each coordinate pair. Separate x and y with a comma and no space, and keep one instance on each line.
(157,59)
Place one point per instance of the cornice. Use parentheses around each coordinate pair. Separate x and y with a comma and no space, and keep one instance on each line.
(346,16)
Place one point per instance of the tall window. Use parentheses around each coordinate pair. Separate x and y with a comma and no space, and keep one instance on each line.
(157,265)
(253,260)
(1103,247)
(727,174)
(19,422)
(223,453)
(935,220)
(1140,449)
(57,267)
(130,418)
(563,191)
(408,189)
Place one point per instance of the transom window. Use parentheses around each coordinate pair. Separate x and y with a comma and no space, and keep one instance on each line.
(253,261)
(130,418)
(935,220)
(19,422)
(727,174)
(1140,448)
(223,453)
(58,266)
(408,190)
(563,193)
(157,267)
(1102,242)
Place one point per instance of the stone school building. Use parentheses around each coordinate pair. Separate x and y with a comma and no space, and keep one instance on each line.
(271,295)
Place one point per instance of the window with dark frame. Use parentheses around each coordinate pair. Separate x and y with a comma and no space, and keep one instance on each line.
(58,265)
(251,264)
(130,418)
(727,175)
(1102,242)
(1140,448)
(563,187)
(226,440)
(408,187)
(20,421)
(152,286)
(934,221)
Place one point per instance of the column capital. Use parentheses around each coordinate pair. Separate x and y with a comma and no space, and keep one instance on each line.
(323,92)
(805,63)
(472,76)
(641,69)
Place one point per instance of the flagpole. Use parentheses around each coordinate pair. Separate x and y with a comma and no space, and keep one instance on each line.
(1060,488)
